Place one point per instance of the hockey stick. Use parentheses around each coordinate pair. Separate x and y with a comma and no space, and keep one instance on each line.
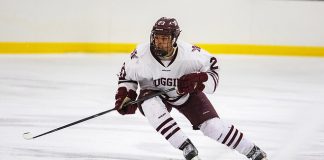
(29,136)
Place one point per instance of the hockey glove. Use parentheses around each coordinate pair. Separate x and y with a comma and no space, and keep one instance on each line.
(122,96)
(192,82)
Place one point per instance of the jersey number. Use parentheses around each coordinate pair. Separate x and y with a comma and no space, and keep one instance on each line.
(213,62)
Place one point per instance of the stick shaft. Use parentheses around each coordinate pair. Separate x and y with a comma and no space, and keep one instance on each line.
(104,112)
(74,123)
(150,96)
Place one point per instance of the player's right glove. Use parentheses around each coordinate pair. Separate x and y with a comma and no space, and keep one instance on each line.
(192,82)
(122,96)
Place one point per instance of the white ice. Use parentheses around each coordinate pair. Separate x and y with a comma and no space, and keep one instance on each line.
(276,101)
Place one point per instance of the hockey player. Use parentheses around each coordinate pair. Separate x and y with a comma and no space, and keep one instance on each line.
(165,63)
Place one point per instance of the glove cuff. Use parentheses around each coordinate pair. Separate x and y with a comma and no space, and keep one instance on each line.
(203,77)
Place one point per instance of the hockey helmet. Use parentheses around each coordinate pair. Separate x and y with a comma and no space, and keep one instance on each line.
(164,26)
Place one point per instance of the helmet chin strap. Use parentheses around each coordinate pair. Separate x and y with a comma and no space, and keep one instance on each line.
(161,53)
(166,56)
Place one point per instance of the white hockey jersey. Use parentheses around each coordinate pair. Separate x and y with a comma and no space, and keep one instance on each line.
(149,72)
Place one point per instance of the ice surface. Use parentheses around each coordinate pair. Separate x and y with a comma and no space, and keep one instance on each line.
(276,101)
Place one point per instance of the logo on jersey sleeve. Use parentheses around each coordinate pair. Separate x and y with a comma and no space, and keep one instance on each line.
(122,73)
(134,54)
(195,48)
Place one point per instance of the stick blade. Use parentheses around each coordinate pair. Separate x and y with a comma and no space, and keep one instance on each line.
(28,136)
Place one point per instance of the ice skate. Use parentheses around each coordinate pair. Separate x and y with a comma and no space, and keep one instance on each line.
(189,150)
(257,154)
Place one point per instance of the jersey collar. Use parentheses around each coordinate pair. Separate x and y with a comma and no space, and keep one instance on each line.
(159,60)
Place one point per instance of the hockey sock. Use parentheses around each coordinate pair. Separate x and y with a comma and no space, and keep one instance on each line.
(226,134)
(159,117)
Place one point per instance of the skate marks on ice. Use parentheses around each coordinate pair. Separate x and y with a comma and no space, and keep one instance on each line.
(307,141)
(49,149)
(284,101)
(49,154)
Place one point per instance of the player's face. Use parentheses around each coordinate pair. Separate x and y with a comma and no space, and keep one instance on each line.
(163,42)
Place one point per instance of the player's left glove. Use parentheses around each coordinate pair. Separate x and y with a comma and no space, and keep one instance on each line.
(192,82)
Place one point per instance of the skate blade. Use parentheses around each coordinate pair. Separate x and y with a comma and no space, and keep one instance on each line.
(196,158)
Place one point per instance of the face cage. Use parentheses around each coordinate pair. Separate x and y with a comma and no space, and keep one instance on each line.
(159,51)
